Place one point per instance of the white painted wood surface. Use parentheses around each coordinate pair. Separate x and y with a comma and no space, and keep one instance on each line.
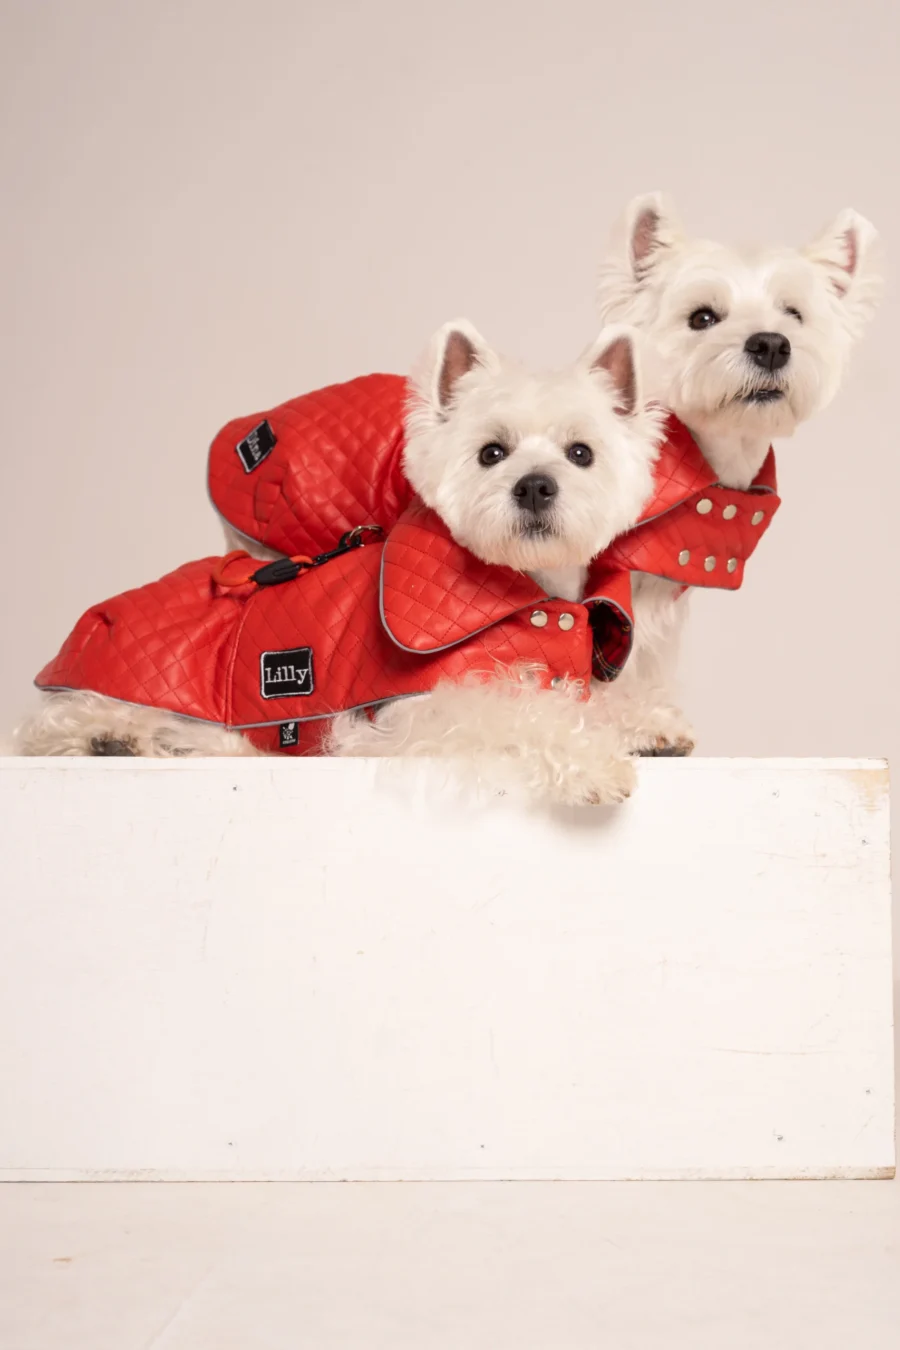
(323,970)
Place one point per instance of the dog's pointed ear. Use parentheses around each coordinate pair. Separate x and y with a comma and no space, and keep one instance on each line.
(647,232)
(612,356)
(651,229)
(846,252)
(456,349)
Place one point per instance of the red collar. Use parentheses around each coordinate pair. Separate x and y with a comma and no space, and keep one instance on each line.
(693,531)
(681,472)
(435,594)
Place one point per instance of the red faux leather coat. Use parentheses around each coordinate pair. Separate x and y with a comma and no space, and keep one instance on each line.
(297,478)
(277,659)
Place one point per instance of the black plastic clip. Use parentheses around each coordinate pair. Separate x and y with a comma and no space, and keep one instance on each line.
(286,569)
(273,573)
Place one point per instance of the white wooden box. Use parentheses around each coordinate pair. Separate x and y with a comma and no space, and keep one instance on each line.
(343,970)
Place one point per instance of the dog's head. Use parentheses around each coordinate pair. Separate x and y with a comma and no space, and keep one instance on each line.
(529,471)
(747,341)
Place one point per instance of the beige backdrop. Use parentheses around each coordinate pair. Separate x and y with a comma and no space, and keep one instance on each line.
(210,206)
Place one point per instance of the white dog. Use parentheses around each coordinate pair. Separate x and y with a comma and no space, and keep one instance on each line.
(532,473)
(742,346)
(538,474)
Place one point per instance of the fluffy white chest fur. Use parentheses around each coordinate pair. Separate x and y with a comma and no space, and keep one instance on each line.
(563,583)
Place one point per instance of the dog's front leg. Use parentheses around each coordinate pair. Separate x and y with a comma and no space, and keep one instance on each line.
(641,703)
(507,734)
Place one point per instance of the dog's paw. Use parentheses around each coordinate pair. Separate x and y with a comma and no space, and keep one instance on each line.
(607,785)
(113,745)
(662,731)
(662,747)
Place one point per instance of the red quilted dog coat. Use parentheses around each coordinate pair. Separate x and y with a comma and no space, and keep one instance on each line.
(372,624)
(264,651)
(299,477)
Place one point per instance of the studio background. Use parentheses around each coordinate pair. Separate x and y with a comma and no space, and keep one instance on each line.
(212,207)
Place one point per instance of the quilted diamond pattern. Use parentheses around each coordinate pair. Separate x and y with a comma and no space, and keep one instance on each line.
(435,594)
(193,646)
(336,464)
(680,471)
(165,645)
(705,538)
(334,609)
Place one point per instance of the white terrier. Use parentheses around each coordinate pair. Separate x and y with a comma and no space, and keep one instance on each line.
(741,347)
(538,474)
(528,474)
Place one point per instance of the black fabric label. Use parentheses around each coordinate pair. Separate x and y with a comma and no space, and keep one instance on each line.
(288,735)
(255,446)
(286,674)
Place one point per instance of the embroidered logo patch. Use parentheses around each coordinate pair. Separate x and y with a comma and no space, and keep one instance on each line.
(288,735)
(286,674)
(255,446)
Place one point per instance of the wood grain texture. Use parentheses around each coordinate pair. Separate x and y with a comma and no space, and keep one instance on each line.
(345,970)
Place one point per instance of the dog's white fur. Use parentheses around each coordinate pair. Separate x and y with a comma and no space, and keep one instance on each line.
(505,733)
(71,723)
(544,743)
(534,418)
(654,279)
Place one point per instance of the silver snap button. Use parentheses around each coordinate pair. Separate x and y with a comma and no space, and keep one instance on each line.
(709,563)
(731,564)
(704,506)
(757,518)
(539,618)
(557,682)
(566,621)
(729,513)
(684,556)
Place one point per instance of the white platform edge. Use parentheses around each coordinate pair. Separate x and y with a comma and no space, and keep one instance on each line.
(649,769)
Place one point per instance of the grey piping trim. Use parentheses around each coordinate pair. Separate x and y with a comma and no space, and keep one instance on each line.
(432,651)
(233,726)
(322,717)
(689,585)
(128,703)
(596,600)
(758,491)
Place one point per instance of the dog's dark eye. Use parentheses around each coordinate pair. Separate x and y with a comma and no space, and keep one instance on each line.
(794,313)
(704,317)
(581,454)
(492,454)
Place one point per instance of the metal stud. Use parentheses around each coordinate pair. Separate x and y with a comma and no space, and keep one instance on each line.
(557,682)
(566,621)
(729,513)
(731,565)
(704,506)
(709,563)
(684,557)
(539,618)
(757,518)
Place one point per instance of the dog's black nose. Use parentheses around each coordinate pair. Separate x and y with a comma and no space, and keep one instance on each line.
(535,492)
(770,351)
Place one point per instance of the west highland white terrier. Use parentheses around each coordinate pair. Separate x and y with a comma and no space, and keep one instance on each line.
(742,346)
(482,615)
